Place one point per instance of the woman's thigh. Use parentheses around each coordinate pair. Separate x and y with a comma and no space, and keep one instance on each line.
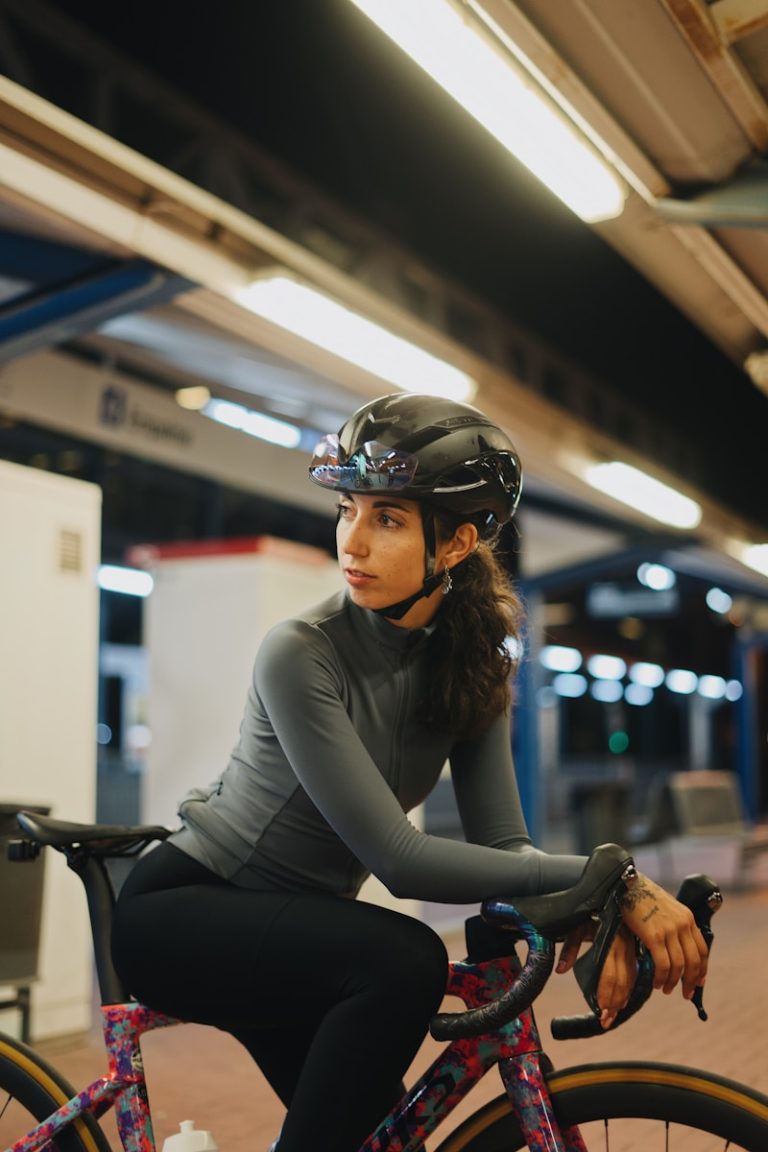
(208,951)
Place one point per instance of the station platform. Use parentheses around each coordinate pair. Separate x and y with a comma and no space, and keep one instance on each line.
(199,1073)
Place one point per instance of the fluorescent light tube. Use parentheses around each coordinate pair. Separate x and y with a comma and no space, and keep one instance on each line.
(330,325)
(639,490)
(756,556)
(254,423)
(506,102)
(129,581)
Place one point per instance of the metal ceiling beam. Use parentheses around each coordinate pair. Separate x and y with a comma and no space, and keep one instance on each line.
(700,30)
(56,313)
(737,19)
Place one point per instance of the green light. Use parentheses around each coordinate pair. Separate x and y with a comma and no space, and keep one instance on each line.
(618,742)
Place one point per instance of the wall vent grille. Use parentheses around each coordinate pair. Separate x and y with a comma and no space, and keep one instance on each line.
(70,551)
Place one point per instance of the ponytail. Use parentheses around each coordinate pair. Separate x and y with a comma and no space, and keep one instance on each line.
(473,664)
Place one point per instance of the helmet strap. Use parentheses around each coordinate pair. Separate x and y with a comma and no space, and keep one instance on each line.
(432,581)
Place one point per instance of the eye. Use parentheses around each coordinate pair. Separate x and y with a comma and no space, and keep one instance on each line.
(389,521)
(343,511)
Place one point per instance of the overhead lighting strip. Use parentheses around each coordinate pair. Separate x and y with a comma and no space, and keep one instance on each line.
(329,324)
(504,99)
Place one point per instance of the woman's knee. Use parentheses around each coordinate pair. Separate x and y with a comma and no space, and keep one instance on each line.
(411,959)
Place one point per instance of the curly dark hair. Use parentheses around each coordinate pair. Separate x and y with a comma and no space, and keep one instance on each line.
(474,665)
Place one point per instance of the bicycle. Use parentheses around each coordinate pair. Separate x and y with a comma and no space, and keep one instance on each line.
(542,1110)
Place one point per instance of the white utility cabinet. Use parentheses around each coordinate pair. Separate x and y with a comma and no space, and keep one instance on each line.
(49,630)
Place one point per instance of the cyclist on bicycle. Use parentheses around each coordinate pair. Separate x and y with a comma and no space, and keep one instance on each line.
(246,917)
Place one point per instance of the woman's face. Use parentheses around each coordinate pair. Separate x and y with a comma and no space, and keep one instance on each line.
(380,544)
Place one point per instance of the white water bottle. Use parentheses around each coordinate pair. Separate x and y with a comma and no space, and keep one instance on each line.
(190,1139)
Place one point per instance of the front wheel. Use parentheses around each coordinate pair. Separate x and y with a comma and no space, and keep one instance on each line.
(633,1107)
(30,1090)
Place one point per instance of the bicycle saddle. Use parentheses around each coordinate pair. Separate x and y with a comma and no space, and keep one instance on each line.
(108,839)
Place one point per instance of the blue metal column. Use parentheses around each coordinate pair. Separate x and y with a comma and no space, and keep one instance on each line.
(525,728)
(745,651)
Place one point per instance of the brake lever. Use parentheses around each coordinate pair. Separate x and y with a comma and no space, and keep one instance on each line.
(697,892)
(703,896)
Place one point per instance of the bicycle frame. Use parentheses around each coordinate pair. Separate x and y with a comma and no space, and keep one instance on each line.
(515,1047)
(123,1088)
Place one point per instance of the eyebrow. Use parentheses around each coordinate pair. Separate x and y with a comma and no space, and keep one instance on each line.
(388,503)
(391,504)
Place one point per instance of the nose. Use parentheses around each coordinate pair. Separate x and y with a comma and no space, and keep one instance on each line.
(353,537)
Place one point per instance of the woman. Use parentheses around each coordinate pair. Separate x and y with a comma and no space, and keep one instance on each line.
(246,917)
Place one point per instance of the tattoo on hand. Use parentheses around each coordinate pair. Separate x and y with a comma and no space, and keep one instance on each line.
(640,890)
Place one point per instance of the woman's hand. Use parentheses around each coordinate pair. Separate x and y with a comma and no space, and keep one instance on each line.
(669,932)
(666,928)
(617,978)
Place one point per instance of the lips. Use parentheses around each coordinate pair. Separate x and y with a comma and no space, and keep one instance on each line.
(357,578)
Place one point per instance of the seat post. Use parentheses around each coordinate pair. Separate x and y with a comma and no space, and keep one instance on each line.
(100,894)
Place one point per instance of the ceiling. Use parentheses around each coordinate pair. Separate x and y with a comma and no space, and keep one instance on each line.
(131,255)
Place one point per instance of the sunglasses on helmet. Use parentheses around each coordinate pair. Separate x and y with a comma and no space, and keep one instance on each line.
(372,465)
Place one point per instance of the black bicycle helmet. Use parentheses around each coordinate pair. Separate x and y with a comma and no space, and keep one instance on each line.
(439,452)
(428,448)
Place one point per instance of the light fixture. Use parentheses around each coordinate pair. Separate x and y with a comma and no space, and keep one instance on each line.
(646,675)
(719,601)
(558,658)
(681,680)
(657,577)
(329,324)
(570,684)
(756,367)
(606,667)
(711,687)
(756,556)
(493,87)
(641,491)
(254,423)
(193,398)
(129,581)
(733,690)
(606,691)
(639,695)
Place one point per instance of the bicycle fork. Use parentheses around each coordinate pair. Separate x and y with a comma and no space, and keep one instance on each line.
(526,1086)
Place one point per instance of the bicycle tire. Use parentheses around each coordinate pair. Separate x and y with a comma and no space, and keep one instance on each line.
(631,1093)
(30,1090)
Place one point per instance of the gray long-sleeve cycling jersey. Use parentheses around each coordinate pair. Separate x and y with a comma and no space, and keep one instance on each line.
(331,757)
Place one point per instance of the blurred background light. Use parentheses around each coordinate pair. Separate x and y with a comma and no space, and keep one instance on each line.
(606,691)
(733,690)
(711,687)
(681,680)
(558,658)
(606,667)
(656,576)
(649,675)
(618,742)
(638,695)
(719,601)
(129,581)
(570,684)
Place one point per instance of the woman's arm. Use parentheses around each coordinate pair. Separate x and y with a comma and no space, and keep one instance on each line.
(490,809)
(300,685)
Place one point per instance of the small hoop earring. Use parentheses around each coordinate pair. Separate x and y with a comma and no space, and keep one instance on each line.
(447,581)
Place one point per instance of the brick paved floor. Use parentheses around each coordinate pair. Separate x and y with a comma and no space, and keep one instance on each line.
(203,1074)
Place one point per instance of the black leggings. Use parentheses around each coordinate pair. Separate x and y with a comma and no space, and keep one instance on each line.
(332,997)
